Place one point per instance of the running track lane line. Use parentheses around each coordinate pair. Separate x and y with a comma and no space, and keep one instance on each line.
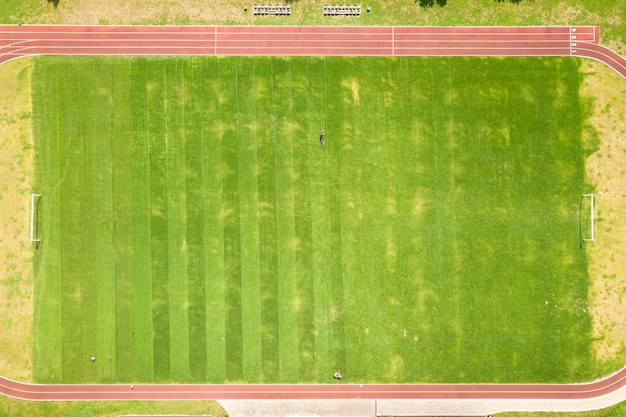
(312,391)
(18,41)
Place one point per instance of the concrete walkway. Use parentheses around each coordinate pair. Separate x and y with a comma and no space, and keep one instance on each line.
(440,407)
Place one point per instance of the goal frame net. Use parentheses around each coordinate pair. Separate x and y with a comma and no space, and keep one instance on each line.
(34,218)
(592,233)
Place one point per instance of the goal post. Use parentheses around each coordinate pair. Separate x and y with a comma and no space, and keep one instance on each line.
(588,215)
(34,217)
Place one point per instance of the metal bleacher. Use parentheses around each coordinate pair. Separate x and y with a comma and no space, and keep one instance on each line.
(342,9)
(278,9)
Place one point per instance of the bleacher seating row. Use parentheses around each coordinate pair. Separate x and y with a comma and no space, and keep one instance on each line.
(342,9)
(329,9)
(262,9)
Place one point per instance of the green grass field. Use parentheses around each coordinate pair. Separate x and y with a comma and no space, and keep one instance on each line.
(193,228)
(10,407)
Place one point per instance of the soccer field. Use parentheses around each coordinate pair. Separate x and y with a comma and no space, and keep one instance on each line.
(194,229)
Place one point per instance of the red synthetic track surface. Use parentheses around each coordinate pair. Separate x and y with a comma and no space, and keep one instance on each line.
(19,41)
(311,391)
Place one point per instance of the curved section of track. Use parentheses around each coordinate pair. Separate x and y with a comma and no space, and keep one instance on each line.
(19,41)
(312,391)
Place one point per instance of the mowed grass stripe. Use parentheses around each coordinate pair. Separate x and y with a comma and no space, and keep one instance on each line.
(329,213)
(289,85)
(283,137)
(159,226)
(396,212)
(71,282)
(459,188)
(333,212)
(343,134)
(413,199)
(119,92)
(406,204)
(143,327)
(444,217)
(431,215)
(213,227)
(266,209)
(305,289)
(545,104)
(488,143)
(48,297)
(491,140)
(411,298)
(321,213)
(194,136)
(175,97)
(249,218)
(370,140)
(102,207)
(566,176)
(229,97)
(79,285)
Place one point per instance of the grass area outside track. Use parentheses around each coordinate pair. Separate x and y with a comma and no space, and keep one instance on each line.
(12,407)
(16,263)
(618,410)
(195,230)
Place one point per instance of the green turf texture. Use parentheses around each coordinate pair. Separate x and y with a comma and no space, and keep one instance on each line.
(10,407)
(194,229)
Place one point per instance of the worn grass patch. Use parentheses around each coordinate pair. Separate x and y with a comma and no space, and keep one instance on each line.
(16,171)
(436,231)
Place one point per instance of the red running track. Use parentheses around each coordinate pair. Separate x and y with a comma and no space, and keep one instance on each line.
(18,41)
(312,391)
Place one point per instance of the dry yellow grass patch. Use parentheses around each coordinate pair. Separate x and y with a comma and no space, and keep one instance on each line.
(16,251)
(148,12)
(606,169)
